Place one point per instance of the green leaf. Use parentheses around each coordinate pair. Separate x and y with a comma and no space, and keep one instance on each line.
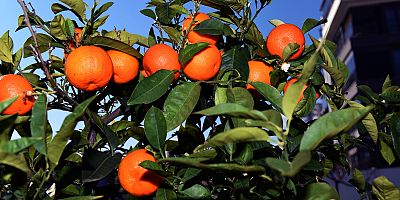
(236,135)
(97,165)
(39,123)
(180,103)
(386,152)
(320,191)
(290,50)
(293,92)
(311,23)
(276,22)
(395,132)
(105,131)
(151,88)
(197,192)
(17,145)
(60,140)
(223,4)
(189,51)
(369,122)
(6,103)
(78,8)
(151,40)
(149,13)
(190,173)
(173,34)
(225,167)
(307,103)
(83,198)
(165,13)
(270,93)
(7,40)
(240,96)
(100,22)
(392,94)
(103,8)
(237,58)
(254,35)
(45,42)
(5,52)
(69,28)
(57,27)
(210,27)
(383,189)
(113,44)
(331,124)
(234,110)
(290,168)
(358,180)
(165,194)
(6,127)
(179,9)
(155,128)
(387,83)
(17,58)
(15,160)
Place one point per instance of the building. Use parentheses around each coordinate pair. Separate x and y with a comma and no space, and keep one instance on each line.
(367,34)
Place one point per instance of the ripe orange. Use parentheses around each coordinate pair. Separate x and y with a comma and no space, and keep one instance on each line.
(293,80)
(204,65)
(88,68)
(161,56)
(135,179)
(258,72)
(12,85)
(125,66)
(283,35)
(194,37)
(73,44)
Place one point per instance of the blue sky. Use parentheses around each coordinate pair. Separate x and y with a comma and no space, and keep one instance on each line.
(125,14)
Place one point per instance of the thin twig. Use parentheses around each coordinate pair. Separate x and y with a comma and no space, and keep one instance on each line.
(38,55)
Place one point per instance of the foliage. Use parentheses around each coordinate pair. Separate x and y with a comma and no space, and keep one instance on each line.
(249,152)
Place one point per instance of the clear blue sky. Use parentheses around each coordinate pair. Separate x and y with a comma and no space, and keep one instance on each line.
(125,14)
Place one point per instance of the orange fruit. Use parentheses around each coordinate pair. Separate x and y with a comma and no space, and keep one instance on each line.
(283,35)
(204,65)
(125,66)
(88,68)
(73,44)
(258,72)
(160,56)
(293,80)
(12,85)
(135,179)
(194,37)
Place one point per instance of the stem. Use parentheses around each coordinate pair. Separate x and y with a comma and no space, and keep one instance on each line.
(38,55)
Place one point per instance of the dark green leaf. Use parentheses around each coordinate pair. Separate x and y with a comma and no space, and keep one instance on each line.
(254,35)
(310,24)
(100,22)
(197,192)
(331,124)
(6,127)
(60,140)
(270,93)
(237,135)
(39,123)
(165,13)
(57,27)
(190,173)
(6,103)
(83,198)
(358,180)
(190,50)
(69,28)
(226,167)
(97,165)
(369,122)
(165,194)
(290,168)
(307,103)
(395,132)
(320,191)
(290,50)
(78,7)
(392,94)
(240,96)
(113,44)
(173,33)
(151,88)
(383,189)
(45,42)
(180,103)
(149,13)
(234,110)
(103,8)
(106,131)
(237,58)
(16,160)
(151,40)
(387,83)
(155,128)
(210,27)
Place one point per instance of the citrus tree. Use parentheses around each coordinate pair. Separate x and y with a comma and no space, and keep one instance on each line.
(217,109)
